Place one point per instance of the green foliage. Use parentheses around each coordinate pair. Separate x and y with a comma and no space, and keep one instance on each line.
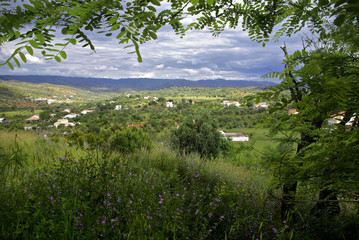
(199,134)
(129,140)
(45,115)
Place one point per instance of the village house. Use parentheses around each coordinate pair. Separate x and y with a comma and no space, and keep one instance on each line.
(337,118)
(169,104)
(64,122)
(66,110)
(40,99)
(236,137)
(51,101)
(260,105)
(86,111)
(71,115)
(292,111)
(231,103)
(118,107)
(36,117)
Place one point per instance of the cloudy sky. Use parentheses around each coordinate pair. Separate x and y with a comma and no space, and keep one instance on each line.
(197,56)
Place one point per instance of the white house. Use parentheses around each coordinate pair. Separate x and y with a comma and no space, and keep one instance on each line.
(36,117)
(71,115)
(86,111)
(67,110)
(169,104)
(236,137)
(118,107)
(64,122)
(292,111)
(261,105)
(51,101)
(231,103)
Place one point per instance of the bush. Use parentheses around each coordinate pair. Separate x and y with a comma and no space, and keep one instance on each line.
(129,139)
(200,134)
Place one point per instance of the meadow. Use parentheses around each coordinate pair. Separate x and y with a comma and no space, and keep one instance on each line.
(51,190)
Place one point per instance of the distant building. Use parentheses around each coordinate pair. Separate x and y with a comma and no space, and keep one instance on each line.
(231,103)
(292,111)
(36,117)
(260,105)
(40,99)
(118,107)
(71,115)
(51,101)
(67,110)
(64,122)
(169,104)
(86,111)
(236,137)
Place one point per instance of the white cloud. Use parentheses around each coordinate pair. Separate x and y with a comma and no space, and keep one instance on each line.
(34,59)
(160,66)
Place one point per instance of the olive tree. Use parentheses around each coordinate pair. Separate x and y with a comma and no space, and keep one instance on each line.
(200,134)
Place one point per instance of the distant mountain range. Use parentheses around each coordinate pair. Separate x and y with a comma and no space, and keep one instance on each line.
(118,85)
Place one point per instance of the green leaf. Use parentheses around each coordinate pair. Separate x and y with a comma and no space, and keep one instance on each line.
(71,40)
(29,7)
(22,56)
(194,2)
(41,38)
(152,8)
(210,2)
(57,58)
(153,35)
(10,65)
(29,50)
(33,43)
(63,54)
(123,31)
(155,2)
(112,20)
(139,58)
(16,61)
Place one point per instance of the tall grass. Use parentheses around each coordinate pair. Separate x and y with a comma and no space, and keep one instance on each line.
(155,194)
(149,194)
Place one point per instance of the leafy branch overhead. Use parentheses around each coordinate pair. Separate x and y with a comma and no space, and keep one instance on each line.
(36,26)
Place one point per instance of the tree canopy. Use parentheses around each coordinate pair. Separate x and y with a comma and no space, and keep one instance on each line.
(200,134)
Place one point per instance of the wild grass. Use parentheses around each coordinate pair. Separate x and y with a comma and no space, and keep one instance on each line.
(155,194)
(146,195)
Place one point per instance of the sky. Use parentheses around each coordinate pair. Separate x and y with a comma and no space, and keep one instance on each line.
(196,56)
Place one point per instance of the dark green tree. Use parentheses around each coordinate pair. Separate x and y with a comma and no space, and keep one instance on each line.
(129,140)
(45,115)
(200,134)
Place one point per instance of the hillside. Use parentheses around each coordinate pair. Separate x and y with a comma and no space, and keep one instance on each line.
(120,85)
